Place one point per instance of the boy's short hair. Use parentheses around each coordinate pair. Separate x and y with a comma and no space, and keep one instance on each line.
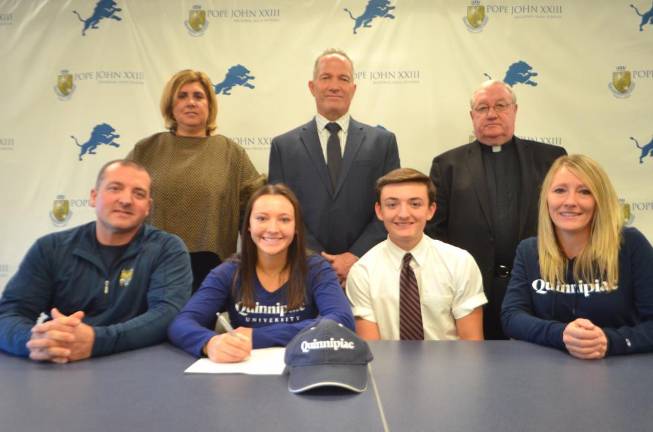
(405,175)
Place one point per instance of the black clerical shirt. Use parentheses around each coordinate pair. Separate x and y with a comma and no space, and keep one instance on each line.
(503,176)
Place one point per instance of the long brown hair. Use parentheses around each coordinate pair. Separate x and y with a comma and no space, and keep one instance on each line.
(243,282)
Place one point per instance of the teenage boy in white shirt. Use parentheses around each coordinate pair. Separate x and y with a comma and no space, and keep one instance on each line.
(445,278)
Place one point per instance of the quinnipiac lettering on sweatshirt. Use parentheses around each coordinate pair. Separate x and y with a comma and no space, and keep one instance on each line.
(269,314)
(586,289)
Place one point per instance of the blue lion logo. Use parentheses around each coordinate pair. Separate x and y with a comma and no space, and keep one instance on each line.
(102,134)
(647,17)
(237,75)
(646,150)
(374,9)
(520,73)
(103,9)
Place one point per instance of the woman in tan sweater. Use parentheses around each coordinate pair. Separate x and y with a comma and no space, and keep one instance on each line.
(201,180)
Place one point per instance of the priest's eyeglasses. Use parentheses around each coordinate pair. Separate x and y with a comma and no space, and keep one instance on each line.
(499,108)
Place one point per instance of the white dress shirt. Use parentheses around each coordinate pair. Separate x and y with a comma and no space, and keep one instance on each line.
(323,133)
(449,281)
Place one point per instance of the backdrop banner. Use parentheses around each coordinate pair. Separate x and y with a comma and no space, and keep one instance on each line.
(83,78)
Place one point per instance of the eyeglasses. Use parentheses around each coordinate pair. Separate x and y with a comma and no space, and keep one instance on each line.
(499,107)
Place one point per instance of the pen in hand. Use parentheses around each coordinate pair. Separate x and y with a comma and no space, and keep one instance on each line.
(230,329)
(42,318)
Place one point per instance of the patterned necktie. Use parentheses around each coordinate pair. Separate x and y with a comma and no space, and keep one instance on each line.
(334,155)
(410,311)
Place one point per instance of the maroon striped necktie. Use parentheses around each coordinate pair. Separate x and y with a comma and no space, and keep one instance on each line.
(410,310)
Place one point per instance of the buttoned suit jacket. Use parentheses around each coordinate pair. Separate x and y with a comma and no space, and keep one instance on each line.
(463,216)
(342,219)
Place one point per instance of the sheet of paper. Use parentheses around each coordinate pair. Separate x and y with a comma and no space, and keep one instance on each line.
(265,361)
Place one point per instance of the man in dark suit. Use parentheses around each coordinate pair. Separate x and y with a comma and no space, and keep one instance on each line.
(332,163)
(487,193)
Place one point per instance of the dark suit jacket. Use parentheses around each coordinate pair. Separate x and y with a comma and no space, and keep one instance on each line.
(340,220)
(463,216)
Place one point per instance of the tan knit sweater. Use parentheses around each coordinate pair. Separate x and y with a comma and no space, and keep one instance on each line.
(199,186)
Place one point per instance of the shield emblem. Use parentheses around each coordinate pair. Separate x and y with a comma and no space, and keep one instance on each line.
(65,83)
(625,211)
(126,277)
(621,80)
(197,19)
(475,15)
(60,209)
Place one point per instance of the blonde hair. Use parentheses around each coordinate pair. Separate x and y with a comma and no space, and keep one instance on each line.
(171,89)
(599,259)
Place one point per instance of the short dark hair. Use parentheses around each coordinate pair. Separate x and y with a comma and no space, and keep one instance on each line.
(405,175)
(121,162)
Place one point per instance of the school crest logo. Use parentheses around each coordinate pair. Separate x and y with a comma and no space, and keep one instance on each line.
(103,9)
(625,212)
(65,85)
(373,9)
(60,214)
(237,75)
(476,17)
(126,277)
(102,134)
(622,84)
(196,23)
(647,17)
(646,150)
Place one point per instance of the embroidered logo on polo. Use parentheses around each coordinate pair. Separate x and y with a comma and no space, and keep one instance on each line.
(331,344)
(104,9)
(269,314)
(586,289)
(237,76)
(647,17)
(102,134)
(374,9)
(125,277)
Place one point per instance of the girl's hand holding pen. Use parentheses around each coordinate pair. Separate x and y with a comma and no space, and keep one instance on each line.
(231,347)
